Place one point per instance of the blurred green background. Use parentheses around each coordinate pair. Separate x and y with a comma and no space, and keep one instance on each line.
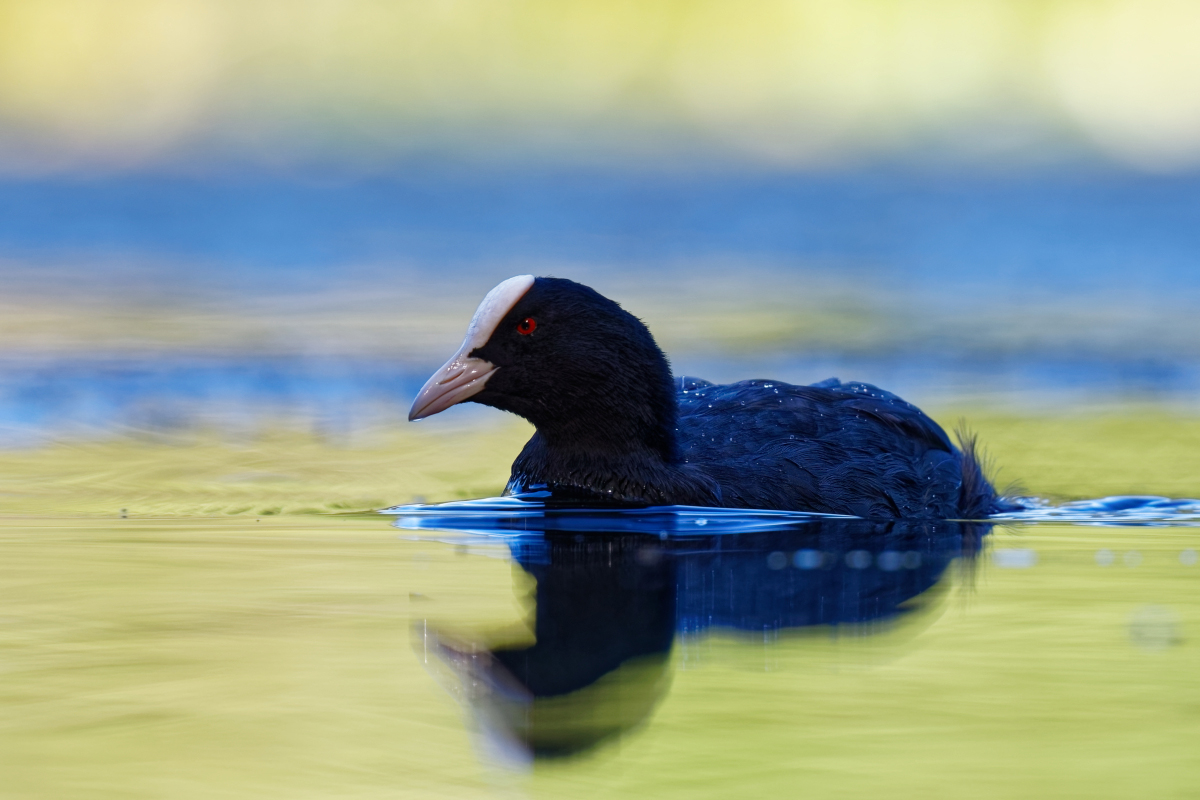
(136,82)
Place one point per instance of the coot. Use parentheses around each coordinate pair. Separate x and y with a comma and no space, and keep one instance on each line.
(614,426)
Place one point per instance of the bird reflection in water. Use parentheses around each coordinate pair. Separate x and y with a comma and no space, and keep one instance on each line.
(609,605)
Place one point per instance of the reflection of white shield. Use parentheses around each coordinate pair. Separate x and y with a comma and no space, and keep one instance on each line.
(513,726)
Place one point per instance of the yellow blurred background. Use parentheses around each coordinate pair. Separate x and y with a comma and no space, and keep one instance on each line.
(132,82)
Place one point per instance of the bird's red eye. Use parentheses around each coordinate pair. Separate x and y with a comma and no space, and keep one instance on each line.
(527,326)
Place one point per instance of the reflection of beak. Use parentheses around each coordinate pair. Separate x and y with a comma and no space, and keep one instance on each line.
(461,377)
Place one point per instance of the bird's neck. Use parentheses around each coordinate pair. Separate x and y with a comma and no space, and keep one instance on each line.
(625,411)
(616,446)
(599,437)
(597,477)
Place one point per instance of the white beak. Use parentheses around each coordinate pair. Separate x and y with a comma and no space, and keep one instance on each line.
(457,380)
(463,375)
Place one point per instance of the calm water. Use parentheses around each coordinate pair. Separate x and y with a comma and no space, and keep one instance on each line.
(497,649)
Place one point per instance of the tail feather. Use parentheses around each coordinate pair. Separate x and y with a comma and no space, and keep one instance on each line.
(978,497)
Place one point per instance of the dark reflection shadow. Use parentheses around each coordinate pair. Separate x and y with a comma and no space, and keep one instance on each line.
(608,606)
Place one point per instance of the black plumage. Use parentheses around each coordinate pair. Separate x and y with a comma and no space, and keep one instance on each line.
(614,426)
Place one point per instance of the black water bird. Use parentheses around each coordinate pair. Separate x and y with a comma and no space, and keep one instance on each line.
(614,426)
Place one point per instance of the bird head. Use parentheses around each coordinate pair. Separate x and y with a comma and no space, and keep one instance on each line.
(564,357)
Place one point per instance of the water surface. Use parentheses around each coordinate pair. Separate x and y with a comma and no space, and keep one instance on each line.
(340,656)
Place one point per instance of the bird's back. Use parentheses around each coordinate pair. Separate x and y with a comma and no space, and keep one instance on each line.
(833,447)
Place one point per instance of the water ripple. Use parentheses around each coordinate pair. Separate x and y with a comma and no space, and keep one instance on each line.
(492,516)
(503,516)
(1119,510)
